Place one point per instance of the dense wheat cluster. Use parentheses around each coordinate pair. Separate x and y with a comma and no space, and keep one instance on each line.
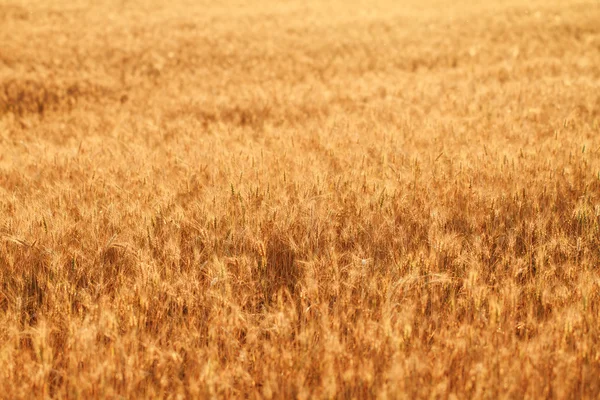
(299,199)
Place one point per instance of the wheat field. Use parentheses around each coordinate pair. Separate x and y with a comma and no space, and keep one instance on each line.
(299,199)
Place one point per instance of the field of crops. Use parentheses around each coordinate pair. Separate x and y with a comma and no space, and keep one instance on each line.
(299,199)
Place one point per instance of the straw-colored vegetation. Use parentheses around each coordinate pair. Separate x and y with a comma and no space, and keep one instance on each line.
(292,199)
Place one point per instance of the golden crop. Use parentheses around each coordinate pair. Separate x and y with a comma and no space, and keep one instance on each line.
(299,199)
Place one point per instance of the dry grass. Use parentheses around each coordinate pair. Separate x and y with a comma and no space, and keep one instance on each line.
(299,199)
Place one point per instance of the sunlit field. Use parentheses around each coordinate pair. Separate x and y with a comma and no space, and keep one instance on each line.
(300,199)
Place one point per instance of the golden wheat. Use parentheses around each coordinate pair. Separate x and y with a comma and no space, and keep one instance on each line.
(299,199)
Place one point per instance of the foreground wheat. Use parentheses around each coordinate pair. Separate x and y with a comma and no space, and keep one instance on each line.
(299,200)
